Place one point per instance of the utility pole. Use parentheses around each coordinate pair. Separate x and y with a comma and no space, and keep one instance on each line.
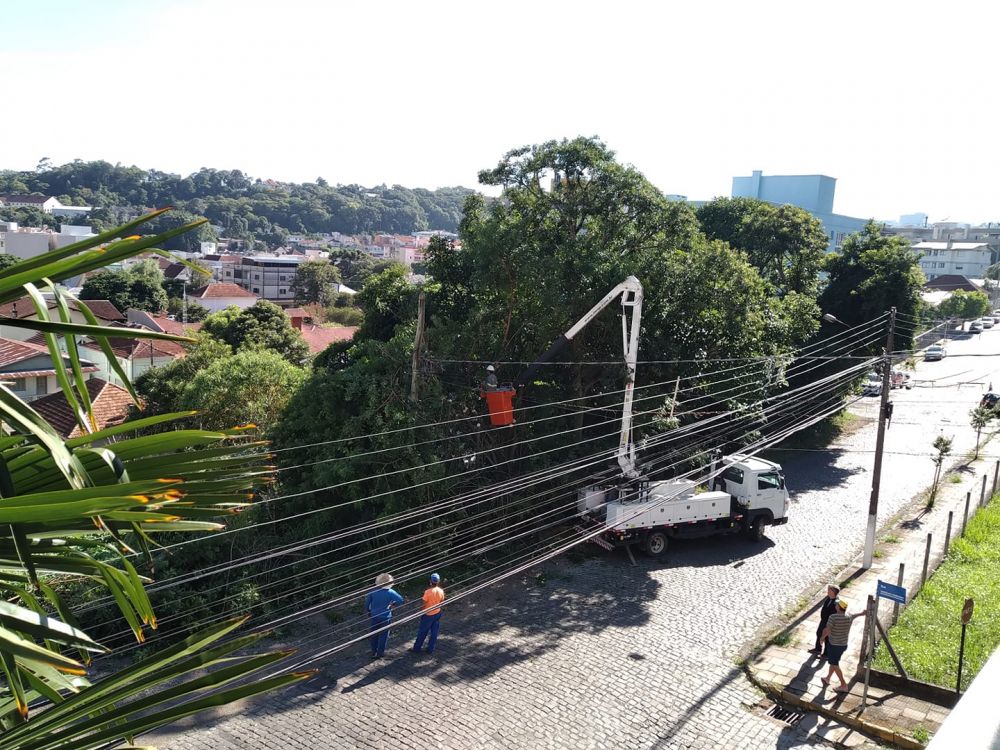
(879,442)
(418,343)
(184,312)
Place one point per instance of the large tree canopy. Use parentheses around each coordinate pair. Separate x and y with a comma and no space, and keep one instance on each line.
(315,282)
(785,243)
(137,287)
(263,325)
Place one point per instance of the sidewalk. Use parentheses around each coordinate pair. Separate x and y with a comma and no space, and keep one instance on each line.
(788,673)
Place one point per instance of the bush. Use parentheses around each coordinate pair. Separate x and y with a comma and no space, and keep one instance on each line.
(345,316)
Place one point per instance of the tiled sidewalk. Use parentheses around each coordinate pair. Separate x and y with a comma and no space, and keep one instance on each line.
(790,674)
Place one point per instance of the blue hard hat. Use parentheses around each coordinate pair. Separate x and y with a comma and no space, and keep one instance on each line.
(435,578)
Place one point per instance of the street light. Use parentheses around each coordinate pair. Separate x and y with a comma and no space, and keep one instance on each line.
(831,319)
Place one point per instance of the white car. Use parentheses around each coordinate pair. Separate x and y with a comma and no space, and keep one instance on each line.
(934,352)
(976,326)
(987,322)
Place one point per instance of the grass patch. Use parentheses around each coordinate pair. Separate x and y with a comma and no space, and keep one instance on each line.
(878,553)
(921,735)
(783,639)
(891,539)
(955,478)
(928,632)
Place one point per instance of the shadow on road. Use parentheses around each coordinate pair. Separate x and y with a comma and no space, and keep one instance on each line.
(814,471)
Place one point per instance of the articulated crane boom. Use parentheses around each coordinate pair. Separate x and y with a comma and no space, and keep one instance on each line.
(630,291)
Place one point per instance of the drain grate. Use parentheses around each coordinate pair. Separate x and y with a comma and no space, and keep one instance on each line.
(785,715)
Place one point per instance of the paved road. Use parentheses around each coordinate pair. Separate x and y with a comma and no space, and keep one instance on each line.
(604,655)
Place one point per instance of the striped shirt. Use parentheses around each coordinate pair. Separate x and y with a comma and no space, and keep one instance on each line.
(840,627)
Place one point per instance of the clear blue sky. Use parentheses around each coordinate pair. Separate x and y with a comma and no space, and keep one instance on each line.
(894,99)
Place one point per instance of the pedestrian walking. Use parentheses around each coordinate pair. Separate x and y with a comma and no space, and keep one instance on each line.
(888,414)
(430,620)
(379,604)
(828,608)
(838,628)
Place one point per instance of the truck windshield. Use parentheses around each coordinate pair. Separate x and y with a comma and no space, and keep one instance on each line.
(769,481)
(733,475)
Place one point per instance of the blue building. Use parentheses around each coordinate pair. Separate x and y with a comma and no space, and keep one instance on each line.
(813,192)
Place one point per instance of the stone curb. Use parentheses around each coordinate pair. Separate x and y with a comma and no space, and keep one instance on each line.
(848,719)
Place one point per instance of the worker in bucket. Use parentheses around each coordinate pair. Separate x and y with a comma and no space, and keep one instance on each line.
(379,604)
(430,620)
(491,377)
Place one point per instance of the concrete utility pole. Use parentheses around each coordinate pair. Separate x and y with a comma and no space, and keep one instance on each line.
(879,443)
(418,343)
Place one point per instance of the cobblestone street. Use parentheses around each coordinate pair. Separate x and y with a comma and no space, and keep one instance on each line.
(605,655)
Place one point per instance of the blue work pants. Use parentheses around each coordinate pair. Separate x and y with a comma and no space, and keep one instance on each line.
(379,640)
(429,625)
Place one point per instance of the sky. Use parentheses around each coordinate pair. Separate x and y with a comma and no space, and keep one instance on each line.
(897,100)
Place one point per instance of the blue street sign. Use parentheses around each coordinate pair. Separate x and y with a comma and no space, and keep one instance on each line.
(891,592)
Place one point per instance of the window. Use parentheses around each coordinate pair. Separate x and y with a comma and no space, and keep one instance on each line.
(256,277)
(41,384)
(282,278)
(770,481)
(17,384)
(958,268)
(256,290)
(282,291)
(733,475)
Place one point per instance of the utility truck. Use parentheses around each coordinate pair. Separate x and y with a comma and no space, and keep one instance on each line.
(747,493)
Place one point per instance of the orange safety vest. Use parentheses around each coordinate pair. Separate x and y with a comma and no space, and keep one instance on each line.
(432,598)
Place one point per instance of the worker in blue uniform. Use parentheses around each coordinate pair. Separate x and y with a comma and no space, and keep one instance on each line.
(379,604)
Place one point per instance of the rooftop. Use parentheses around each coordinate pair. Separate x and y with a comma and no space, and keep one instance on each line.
(950,246)
(319,337)
(110,405)
(224,289)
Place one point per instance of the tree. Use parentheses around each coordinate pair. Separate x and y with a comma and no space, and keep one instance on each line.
(251,387)
(315,282)
(869,275)
(785,243)
(964,305)
(354,265)
(195,312)
(386,301)
(942,446)
(126,289)
(263,325)
(979,418)
(7,260)
(161,387)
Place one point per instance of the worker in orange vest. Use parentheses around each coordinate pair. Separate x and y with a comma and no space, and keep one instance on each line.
(430,620)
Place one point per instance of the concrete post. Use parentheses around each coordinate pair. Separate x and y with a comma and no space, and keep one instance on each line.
(965,519)
(899,582)
(982,493)
(927,558)
(947,533)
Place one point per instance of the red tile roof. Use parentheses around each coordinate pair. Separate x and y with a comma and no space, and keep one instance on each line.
(110,406)
(296,312)
(102,308)
(138,348)
(319,338)
(175,327)
(12,352)
(223,290)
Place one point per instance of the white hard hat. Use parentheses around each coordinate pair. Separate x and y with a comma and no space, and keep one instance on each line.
(490,368)
(383,579)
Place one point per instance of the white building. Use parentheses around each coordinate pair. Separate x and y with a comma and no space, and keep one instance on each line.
(969,259)
(41,202)
(220,296)
(29,242)
(270,277)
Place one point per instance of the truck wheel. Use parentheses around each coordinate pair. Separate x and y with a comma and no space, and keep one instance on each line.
(756,530)
(656,543)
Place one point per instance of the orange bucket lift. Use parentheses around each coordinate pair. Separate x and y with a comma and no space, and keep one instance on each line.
(500,402)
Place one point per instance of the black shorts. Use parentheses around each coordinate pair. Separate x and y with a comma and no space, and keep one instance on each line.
(833,654)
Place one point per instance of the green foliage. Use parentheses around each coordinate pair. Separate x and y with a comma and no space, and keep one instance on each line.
(869,275)
(251,387)
(386,301)
(161,387)
(196,312)
(927,635)
(354,265)
(345,316)
(263,325)
(136,287)
(29,217)
(785,243)
(259,211)
(965,305)
(7,260)
(315,283)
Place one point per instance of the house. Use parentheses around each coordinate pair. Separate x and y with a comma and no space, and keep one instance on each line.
(270,277)
(320,337)
(134,356)
(109,403)
(948,258)
(953,283)
(28,370)
(24,309)
(43,203)
(219,296)
(161,323)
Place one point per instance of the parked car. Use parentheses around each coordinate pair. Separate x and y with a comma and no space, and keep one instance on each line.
(990,400)
(976,326)
(873,386)
(987,321)
(934,352)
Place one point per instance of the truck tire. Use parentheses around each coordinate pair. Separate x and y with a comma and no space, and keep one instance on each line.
(656,543)
(756,529)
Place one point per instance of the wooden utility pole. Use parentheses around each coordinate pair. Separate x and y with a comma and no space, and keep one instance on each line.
(879,444)
(418,344)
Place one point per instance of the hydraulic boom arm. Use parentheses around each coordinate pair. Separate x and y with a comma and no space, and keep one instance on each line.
(630,291)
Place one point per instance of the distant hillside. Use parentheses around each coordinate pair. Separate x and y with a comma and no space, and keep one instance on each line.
(265,211)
